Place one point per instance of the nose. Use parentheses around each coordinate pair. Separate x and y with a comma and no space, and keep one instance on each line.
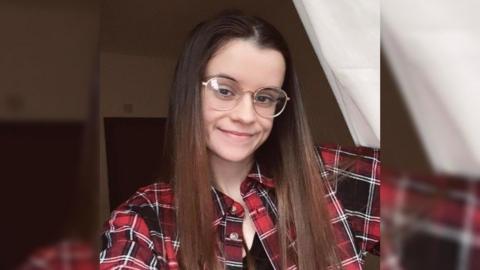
(244,111)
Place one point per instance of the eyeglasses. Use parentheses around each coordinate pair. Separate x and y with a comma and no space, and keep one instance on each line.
(224,94)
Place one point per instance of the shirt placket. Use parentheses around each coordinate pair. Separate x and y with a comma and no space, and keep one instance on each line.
(233,242)
(264,225)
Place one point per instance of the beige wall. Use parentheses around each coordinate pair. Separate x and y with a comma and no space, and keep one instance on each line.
(135,85)
(47,61)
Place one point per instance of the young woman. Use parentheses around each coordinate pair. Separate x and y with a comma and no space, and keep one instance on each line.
(245,187)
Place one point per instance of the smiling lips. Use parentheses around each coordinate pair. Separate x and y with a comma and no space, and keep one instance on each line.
(236,133)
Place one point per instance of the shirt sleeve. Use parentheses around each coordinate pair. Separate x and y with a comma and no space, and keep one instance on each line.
(68,253)
(126,243)
(354,174)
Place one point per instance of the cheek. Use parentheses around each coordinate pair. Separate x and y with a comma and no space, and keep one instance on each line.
(210,119)
(267,127)
(208,116)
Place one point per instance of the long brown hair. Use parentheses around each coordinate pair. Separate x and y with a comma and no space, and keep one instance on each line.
(288,153)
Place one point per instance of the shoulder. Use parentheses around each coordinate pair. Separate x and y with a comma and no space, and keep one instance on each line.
(146,221)
(154,195)
(151,205)
(332,152)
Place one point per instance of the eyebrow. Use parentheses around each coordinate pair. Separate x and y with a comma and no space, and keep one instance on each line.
(222,75)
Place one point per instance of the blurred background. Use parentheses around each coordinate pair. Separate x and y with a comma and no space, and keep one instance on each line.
(430,198)
(48,132)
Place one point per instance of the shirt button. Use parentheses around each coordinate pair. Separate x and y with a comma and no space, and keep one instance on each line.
(233,210)
(234,236)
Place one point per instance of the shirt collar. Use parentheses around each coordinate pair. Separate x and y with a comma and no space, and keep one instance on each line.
(257,173)
(256,176)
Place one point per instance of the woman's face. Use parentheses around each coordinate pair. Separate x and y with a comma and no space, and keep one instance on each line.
(234,135)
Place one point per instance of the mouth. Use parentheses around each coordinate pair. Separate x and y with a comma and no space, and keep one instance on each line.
(236,134)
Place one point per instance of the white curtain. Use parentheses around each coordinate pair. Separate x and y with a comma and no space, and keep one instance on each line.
(346,39)
(433,47)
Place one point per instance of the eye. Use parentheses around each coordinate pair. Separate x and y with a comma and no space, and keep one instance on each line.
(224,91)
(265,99)
(223,88)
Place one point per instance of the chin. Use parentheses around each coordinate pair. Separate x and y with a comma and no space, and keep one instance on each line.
(233,156)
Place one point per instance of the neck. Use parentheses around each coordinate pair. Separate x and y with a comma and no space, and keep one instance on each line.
(229,175)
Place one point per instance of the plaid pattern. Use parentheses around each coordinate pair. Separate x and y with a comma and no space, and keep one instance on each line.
(356,184)
(430,222)
(141,233)
(67,254)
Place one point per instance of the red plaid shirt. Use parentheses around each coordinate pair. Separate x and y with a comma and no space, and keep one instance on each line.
(430,221)
(71,254)
(141,233)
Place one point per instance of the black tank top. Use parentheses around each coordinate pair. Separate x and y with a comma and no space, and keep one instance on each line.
(259,256)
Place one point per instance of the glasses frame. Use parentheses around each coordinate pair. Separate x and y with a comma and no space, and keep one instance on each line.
(253,94)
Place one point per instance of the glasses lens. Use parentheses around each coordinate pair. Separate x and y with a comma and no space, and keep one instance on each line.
(222,93)
(270,102)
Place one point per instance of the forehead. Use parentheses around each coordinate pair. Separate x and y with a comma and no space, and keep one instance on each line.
(249,64)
